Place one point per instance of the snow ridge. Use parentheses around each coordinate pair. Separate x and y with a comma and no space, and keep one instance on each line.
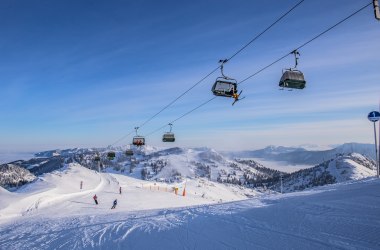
(340,169)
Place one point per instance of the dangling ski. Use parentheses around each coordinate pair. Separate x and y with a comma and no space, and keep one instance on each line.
(236,97)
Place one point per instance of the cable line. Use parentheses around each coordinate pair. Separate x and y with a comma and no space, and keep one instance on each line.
(176,99)
(343,20)
(188,112)
(215,69)
(168,105)
(306,43)
(122,138)
(270,26)
(269,65)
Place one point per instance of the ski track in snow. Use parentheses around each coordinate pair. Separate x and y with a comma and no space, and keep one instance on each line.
(342,216)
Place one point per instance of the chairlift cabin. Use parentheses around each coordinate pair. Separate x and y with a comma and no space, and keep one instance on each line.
(224,87)
(168,137)
(111,155)
(129,152)
(138,140)
(293,78)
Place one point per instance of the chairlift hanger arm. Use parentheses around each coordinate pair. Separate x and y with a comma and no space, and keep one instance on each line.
(296,57)
(136,128)
(171,125)
(222,62)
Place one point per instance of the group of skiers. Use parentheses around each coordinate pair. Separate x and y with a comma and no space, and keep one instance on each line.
(114,202)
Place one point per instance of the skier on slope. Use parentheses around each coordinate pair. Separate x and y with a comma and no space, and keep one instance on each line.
(114,204)
(120,190)
(95,199)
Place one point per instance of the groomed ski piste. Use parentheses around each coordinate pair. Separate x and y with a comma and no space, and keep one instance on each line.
(54,213)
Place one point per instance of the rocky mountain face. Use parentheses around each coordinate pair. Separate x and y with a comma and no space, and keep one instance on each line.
(12,176)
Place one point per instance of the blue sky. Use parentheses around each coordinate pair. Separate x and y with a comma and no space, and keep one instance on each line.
(85,73)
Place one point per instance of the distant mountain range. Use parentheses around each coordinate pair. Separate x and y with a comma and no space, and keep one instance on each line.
(299,155)
(176,164)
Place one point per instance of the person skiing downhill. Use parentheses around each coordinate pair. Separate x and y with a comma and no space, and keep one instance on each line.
(120,190)
(95,199)
(114,204)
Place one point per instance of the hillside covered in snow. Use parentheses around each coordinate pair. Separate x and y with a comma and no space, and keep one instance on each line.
(178,198)
(54,212)
(74,186)
(176,165)
(339,169)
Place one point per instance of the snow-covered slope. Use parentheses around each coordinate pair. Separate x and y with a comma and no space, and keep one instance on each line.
(50,189)
(351,167)
(342,216)
(61,190)
(340,169)
(6,197)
